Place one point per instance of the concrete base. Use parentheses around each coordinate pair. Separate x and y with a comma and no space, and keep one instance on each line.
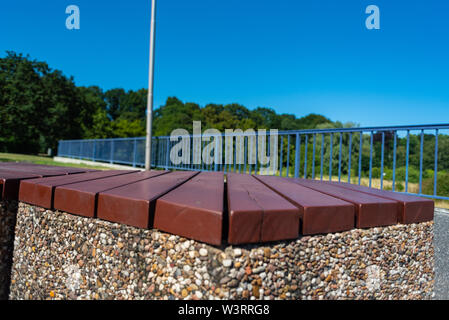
(62,256)
(8,211)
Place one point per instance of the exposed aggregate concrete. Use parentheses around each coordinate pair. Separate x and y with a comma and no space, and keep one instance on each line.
(62,256)
(8,210)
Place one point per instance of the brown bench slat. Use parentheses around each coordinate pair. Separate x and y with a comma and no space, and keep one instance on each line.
(36,167)
(41,172)
(320,213)
(371,211)
(80,198)
(133,204)
(10,182)
(194,210)
(40,192)
(412,209)
(256,213)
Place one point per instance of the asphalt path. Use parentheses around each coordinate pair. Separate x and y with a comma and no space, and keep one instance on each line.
(441,252)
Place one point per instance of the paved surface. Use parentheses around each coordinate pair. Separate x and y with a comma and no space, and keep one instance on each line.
(441,248)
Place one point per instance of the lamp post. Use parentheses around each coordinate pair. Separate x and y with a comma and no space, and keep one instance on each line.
(150,88)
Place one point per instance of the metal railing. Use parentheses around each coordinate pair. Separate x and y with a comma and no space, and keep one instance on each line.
(397,158)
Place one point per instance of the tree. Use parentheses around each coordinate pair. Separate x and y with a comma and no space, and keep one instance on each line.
(38,106)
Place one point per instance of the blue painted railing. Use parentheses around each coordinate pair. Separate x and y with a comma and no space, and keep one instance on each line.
(295,159)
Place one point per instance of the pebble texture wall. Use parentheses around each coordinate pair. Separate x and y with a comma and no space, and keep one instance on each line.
(61,256)
(8,210)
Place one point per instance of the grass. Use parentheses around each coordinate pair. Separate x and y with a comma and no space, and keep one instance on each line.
(375,183)
(13,157)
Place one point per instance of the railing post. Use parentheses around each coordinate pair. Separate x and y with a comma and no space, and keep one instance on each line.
(305,156)
(297,155)
(70,149)
(288,157)
(167,154)
(330,156)
(257,153)
(216,154)
(322,157)
(360,156)
(94,150)
(339,157)
(111,160)
(382,162)
(313,157)
(435,170)
(421,161)
(406,160)
(394,159)
(371,158)
(281,156)
(350,156)
(134,152)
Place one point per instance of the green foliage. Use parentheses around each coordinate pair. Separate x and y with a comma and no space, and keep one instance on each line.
(127,128)
(442,184)
(375,173)
(38,106)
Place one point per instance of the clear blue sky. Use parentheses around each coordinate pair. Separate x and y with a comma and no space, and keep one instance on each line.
(294,56)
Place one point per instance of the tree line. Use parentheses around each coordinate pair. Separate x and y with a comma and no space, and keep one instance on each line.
(40,106)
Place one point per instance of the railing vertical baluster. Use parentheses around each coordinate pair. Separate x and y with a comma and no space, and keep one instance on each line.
(382,162)
(297,155)
(313,157)
(257,153)
(339,157)
(250,145)
(134,152)
(360,156)
(322,157)
(282,158)
(167,154)
(160,153)
(157,155)
(267,169)
(192,163)
(406,160)
(245,147)
(330,156)
(349,158)
(94,150)
(394,159)
(435,169)
(305,156)
(288,156)
(209,166)
(235,153)
(201,157)
(371,158)
(112,151)
(421,161)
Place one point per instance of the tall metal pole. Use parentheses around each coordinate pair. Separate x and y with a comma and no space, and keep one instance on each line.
(150,88)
